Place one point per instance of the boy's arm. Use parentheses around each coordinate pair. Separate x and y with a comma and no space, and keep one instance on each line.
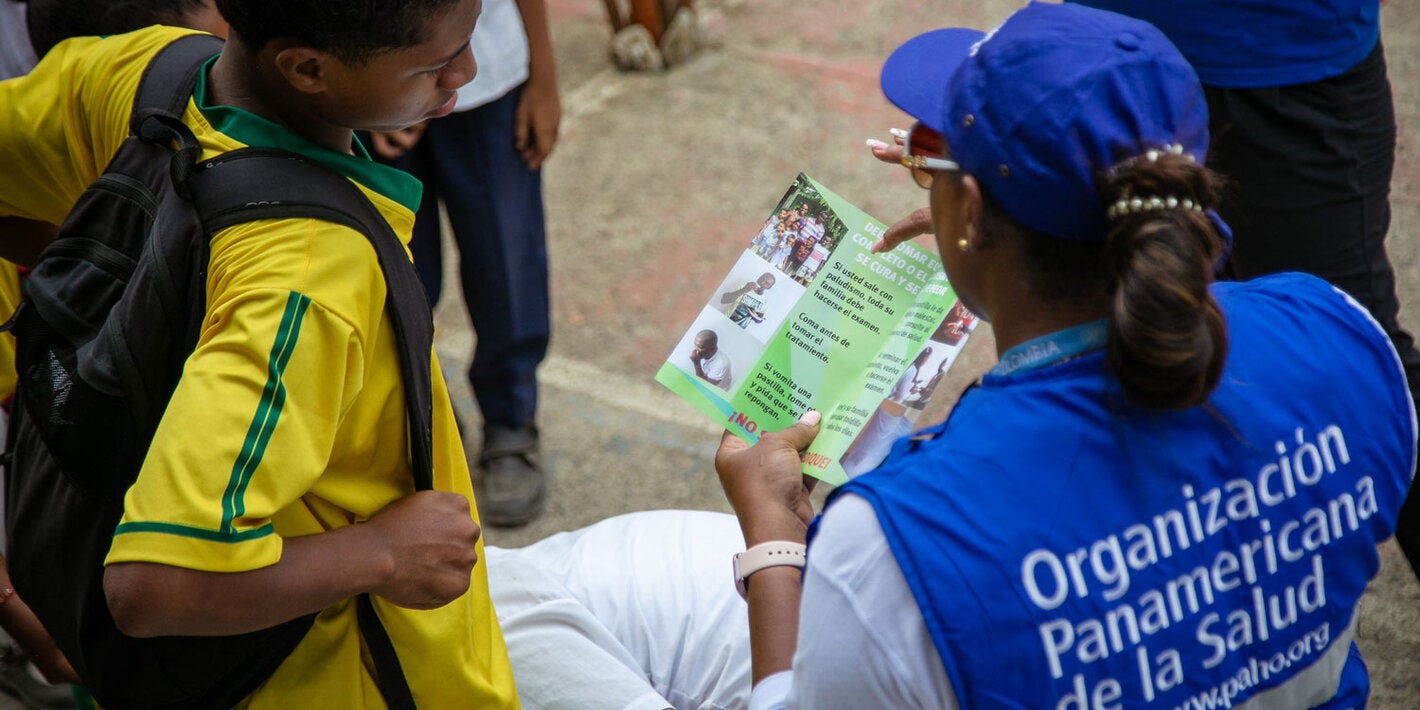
(728,296)
(540,107)
(283,421)
(416,553)
(20,623)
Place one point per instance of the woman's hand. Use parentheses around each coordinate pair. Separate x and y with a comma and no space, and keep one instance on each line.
(890,153)
(765,484)
(917,223)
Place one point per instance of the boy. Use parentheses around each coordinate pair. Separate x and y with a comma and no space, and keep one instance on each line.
(278,483)
(710,364)
(748,304)
(483,163)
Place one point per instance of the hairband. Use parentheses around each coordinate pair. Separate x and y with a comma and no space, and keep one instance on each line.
(1135,205)
(1152,155)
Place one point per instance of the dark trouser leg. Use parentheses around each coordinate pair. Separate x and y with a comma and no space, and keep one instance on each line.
(1309,169)
(495,210)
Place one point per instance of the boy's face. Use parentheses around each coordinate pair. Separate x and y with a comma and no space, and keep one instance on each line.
(401,87)
(703,345)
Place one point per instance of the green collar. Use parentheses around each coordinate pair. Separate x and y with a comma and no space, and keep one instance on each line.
(253,130)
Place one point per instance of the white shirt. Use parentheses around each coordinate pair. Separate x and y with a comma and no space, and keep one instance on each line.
(812,228)
(500,47)
(876,651)
(903,387)
(636,612)
(17,58)
(717,369)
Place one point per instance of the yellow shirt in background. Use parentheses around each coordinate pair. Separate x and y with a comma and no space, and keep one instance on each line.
(9,300)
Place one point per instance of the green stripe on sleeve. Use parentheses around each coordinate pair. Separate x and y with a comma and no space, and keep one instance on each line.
(195,532)
(268,411)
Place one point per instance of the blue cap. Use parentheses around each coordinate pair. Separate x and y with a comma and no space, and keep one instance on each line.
(1037,109)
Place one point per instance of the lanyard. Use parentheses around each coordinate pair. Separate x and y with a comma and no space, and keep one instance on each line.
(1053,347)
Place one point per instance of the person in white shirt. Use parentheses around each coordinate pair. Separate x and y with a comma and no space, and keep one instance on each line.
(711,364)
(631,613)
(482,162)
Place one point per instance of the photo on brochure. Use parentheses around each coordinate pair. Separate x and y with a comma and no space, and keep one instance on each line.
(808,318)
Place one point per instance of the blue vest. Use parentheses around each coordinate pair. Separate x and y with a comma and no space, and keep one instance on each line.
(1068,549)
(1252,43)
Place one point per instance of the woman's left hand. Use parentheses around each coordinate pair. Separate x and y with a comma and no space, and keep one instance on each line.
(911,226)
(765,484)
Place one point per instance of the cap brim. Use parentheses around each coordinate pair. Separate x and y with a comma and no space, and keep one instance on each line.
(915,76)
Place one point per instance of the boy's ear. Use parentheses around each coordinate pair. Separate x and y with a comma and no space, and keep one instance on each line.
(306,69)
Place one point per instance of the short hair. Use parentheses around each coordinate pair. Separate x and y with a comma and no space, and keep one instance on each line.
(352,31)
(50,22)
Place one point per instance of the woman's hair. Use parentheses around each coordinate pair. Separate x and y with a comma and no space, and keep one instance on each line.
(1167,340)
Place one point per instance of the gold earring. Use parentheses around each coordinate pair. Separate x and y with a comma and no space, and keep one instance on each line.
(963,244)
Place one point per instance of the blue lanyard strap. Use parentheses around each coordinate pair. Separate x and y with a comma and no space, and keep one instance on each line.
(1054,347)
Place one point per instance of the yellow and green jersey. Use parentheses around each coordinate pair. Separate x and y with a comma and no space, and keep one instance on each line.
(289,417)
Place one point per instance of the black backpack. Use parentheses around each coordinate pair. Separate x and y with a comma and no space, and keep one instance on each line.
(112,309)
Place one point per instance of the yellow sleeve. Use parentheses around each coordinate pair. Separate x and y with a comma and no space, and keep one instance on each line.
(250,446)
(248,432)
(61,123)
(9,300)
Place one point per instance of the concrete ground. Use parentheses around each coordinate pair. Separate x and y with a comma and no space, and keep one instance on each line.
(660,179)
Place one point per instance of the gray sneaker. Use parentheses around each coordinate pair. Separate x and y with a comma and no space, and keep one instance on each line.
(514,484)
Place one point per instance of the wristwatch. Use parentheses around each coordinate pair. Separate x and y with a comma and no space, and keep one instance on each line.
(766,554)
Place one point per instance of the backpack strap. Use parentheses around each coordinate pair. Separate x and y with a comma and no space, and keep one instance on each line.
(258,183)
(171,75)
(238,187)
(163,92)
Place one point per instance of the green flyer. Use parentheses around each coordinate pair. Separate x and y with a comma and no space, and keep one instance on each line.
(808,318)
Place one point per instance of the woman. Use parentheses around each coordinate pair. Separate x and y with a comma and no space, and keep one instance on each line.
(1159,496)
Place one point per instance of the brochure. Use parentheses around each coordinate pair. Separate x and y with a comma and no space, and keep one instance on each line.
(808,318)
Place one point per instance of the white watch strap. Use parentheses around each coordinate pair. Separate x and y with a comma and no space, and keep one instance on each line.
(766,554)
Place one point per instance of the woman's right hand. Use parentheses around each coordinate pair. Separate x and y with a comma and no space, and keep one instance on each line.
(765,484)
